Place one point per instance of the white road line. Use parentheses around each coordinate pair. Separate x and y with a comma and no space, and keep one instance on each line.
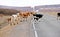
(35,30)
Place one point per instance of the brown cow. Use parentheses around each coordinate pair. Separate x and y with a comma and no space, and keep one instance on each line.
(24,15)
(10,20)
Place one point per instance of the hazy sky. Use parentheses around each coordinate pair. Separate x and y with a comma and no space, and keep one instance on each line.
(28,2)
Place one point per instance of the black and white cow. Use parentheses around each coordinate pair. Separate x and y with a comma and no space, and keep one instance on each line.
(37,16)
(58,16)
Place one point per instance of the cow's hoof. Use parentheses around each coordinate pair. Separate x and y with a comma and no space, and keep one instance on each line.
(59,19)
(10,24)
(20,21)
(14,24)
(17,23)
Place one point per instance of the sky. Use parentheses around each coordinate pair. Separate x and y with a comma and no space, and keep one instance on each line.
(32,3)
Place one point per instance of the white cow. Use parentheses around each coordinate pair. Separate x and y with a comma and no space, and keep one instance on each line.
(13,20)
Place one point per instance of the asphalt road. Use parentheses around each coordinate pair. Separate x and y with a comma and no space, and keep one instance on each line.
(23,29)
(48,26)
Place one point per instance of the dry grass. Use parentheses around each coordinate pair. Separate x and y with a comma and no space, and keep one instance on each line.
(51,13)
(3,21)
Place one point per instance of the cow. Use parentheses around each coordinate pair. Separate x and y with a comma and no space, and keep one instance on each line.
(24,15)
(58,16)
(16,18)
(37,16)
(12,20)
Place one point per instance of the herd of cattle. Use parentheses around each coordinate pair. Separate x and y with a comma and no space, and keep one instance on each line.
(16,18)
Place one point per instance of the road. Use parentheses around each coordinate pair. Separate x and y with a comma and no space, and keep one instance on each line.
(20,30)
(48,26)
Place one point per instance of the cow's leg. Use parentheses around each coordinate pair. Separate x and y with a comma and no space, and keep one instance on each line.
(14,23)
(26,19)
(20,19)
(17,21)
(35,21)
(23,18)
(39,19)
(58,18)
(11,23)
